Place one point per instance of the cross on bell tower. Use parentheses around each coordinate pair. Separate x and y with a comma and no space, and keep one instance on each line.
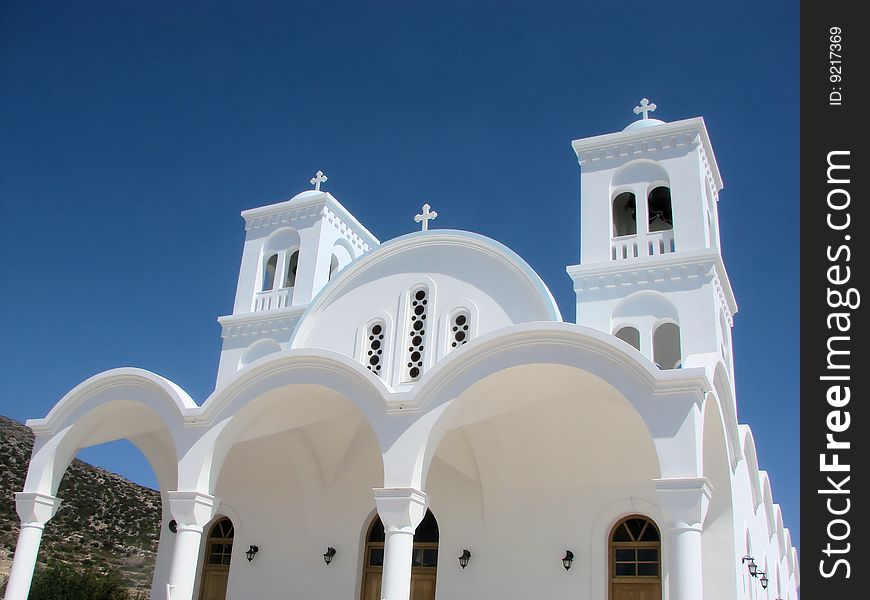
(645,108)
(318,178)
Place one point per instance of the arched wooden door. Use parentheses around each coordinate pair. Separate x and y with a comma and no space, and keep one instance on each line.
(424,562)
(635,560)
(216,566)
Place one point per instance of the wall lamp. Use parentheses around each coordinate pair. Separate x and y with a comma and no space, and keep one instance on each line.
(251,552)
(329,555)
(764,580)
(463,560)
(568,560)
(753,568)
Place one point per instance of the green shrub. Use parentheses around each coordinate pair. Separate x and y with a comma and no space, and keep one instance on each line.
(62,582)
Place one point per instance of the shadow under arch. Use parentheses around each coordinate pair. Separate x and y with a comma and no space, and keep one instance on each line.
(580,349)
(282,384)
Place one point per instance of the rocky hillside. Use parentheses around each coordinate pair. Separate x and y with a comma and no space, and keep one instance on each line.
(104,521)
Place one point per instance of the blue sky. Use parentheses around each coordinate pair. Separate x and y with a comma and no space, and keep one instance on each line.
(133,133)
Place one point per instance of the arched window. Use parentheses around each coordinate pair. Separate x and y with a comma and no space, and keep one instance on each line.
(661,217)
(292,267)
(635,559)
(415,335)
(624,214)
(667,353)
(219,550)
(460,323)
(269,272)
(374,358)
(629,335)
(424,560)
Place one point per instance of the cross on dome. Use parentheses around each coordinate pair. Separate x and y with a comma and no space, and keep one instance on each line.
(645,108)
(318,179)
(425,217)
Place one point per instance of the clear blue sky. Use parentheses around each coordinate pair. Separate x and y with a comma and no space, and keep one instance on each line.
(133,133)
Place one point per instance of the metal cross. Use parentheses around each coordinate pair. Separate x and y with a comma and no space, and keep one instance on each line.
(425,217)
(317,180)
(645,107)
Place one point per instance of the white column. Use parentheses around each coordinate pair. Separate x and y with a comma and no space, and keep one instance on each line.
(34,510)
(192,511)
(685,502)
(401,510)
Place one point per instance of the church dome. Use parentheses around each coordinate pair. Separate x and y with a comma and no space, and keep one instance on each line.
(641,123)
(306,194)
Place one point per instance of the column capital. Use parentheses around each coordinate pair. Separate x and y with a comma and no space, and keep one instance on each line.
(684,500)
(192,510)
(401,509)
(34,508)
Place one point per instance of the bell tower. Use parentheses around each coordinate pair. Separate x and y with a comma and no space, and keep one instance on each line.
(651,270)
(292,250)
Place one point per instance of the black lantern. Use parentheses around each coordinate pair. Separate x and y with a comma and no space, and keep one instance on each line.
(463,560)
(753,568)
(251,552)
(764,579)
(328,555)
(568,560)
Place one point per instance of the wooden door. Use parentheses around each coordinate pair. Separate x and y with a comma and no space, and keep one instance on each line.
(214,584)
(372,586)
(424,560)
(635,560)
(422,586)
(216,566)
(636,591)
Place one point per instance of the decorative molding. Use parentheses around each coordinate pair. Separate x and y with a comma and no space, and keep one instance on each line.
(643,272)
(280,320)
(312,205)
(646,140)
(345,230)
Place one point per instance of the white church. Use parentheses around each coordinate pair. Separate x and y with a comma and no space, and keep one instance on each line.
(413,419)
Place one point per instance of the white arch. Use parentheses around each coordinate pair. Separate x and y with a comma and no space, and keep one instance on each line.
(585,349)
(123,403)
(219,415)
(748,443)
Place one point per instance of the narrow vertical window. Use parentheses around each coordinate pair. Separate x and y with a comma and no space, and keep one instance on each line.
(292,267)
(375,347)
(629,335)
(416,333)
(667,353)
(459,328)
(269,272)
(661,216)
(624,214)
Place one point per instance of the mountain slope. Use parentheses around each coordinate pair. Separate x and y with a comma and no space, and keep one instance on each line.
(105,520)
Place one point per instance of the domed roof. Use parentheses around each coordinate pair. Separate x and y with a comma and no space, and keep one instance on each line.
(645,108)
(306,194)
(641,123)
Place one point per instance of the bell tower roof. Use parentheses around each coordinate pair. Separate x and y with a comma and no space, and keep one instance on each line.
(643,139)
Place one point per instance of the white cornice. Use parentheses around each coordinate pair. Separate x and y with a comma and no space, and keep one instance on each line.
(255,323)
(640,271)
(312,204)
(651,139)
